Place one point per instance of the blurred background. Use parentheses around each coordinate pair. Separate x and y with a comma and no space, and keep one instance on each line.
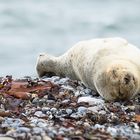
(29,27)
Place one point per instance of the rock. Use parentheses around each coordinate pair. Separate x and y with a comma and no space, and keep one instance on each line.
(67,87)
(86,124)
(62,81)
(91,100)
(65,101)
(77,115)
(50,101)
(87,91)
(94,109)
(111,130)
(23,129)
(41,124)
(39,114)
(45,109)
(37,130)
(53,110)
(35,100)
(6,138)
(36,137)
(42,101)
(55,78)
(10,122)
(79,93)
(82,110)
(102,112)
(132,108)
(69,111)
(46,138)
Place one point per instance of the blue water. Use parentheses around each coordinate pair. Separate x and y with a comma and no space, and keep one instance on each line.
(28,27)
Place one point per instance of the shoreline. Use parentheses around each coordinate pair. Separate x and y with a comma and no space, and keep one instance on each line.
(60,108)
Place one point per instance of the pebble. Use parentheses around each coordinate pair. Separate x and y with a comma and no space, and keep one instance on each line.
(34,120)
(79,93)
(111,130)
(86,124)
(36,138)
(6,138)
(50,116)
(10,122)
(82,110)
(69,111)
(132,108)
(116,104)
(35,100)
(42,124)
(98,126)
(61,133)
(37,130)
(39,114)
(63,129)
(21,135)
(50,101)
(87,91)
(41,101)
(91,100)
(45,109)
(53,110)
(48,113)
(102,112)
(94,109)
(67,87)
(62,81)
(55,78)
(46,138)
(77,115)
(66,101)
(52,79)
(23,129)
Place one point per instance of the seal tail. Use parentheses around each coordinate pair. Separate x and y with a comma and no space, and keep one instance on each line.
(46,65)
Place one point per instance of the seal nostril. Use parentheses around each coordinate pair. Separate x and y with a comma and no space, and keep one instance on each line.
(127,80)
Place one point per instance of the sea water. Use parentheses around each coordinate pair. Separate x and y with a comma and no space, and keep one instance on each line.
(30,27)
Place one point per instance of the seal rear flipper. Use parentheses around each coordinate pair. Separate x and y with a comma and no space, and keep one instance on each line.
(46,65)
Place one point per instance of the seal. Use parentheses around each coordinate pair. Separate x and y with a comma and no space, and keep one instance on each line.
(110,66)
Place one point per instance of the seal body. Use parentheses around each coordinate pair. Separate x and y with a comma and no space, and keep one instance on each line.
(111,66)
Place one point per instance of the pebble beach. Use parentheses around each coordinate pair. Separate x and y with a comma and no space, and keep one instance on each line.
(55,108)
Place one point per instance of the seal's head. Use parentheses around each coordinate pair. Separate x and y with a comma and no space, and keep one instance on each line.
(119,81)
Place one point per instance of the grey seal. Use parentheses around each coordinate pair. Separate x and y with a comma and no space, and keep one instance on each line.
(111,66)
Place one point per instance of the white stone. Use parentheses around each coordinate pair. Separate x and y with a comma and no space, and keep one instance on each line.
(91,100)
